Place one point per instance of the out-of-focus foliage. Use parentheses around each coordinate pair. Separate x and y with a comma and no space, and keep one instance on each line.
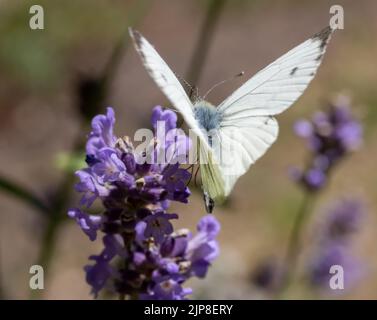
(38,58)
(70,162)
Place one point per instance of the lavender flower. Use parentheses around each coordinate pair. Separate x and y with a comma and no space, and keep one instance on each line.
(88,223)
(143,257)
(334,255)
(334,247)
(344,220)
(330,136)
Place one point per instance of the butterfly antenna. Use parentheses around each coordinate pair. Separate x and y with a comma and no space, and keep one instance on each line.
(192,89)
(224,81)
(194,93)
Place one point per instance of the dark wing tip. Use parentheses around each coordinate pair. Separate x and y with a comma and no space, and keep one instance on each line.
(136,36)
(323,36)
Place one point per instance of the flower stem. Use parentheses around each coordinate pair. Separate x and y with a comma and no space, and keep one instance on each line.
(55,217)
(203,43)
(294,243)
(23,194)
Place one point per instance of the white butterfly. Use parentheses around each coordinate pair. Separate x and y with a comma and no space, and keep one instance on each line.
(242,127)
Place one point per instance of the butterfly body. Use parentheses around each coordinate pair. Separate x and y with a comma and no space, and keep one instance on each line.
(235,134)
(207,115)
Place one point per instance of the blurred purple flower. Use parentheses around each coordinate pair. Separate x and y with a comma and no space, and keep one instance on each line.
(330,136)
(303,128)
(143,258)
(330,255)
(202,249)
(344,220)
(334,247)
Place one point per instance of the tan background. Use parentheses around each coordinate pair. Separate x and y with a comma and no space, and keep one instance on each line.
(38,120)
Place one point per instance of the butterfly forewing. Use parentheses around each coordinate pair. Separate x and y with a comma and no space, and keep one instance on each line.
(166,80)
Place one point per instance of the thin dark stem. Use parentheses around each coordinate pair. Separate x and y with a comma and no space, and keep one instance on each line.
(23,194)
(294,240)
(56,217)
(135,14)
(294,243)
(203,43)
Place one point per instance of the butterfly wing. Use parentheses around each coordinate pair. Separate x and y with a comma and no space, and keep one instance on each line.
(280,84)
(240,145)
(171,87)
(214,184)
(166,80)
(248,129)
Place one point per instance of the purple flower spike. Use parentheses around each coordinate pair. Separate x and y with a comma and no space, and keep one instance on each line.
(330,136)
(88,223)
(315,178)
(334,255)
(344,220)
(90,186)
(170,290)
(333,249)
(209,227)
(303,128)
(158,225)
(142,256)
(166,116)
(109,167)
(202,249)
(101,135)
(98,274)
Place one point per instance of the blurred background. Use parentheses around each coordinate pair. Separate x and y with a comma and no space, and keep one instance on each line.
(48,76)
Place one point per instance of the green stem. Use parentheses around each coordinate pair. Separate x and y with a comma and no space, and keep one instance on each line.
(55,218)
(294,243)
(203,43)
(135,14)
(23,194)
(48,246)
